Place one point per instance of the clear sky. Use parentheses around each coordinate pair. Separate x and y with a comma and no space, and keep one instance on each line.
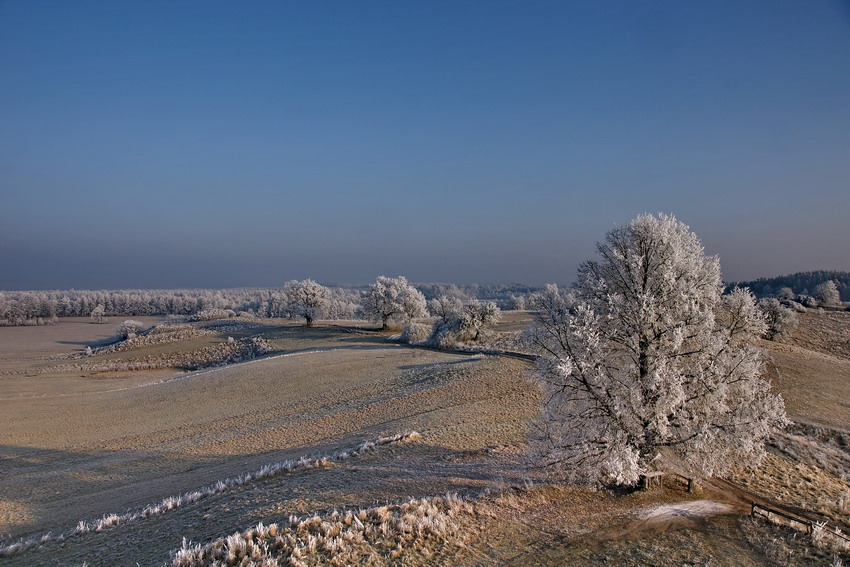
(220,143)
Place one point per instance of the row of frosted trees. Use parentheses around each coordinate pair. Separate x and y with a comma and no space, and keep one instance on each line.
(44,307)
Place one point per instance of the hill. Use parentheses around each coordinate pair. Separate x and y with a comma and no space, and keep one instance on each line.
(344,446)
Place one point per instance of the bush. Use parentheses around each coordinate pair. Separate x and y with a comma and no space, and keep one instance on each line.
(213,314)
(779,317)
(129,329)
(466,325)
(415,333)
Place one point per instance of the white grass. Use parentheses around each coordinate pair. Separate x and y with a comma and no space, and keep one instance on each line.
(359,536)
(110,521)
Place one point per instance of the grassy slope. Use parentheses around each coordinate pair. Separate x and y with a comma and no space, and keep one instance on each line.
(147,443)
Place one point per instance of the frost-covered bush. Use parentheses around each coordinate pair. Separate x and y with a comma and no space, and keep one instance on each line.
(807,301)
(457,323)
(779,317)
(414,333)
(213,315)
(794,306)
(129,329)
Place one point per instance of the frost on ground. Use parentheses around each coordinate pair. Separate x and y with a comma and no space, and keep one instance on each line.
(173,502)
(689,509)
(367,536)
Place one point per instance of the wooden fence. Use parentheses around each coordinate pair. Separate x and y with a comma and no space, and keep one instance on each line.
(807,524)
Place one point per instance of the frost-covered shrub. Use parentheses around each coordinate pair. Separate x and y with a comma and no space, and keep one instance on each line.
(414,333)
(458,323)
(794,306)
(213,314)
(129,329)
(807,301)
(779,317)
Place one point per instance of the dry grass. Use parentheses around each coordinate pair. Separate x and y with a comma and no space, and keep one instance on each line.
(473,412)
(226,352)
(174,502)
(373,536)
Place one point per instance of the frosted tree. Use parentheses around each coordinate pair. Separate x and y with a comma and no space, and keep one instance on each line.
(306,299)
(644,364)
(392,299)
(827,294)
(445,307)
(477,316)
(97,313)
(785,294)
(778,317)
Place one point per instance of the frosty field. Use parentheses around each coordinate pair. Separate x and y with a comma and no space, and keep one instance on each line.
(79,445)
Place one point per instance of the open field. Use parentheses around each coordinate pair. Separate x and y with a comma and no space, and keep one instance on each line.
(85,444)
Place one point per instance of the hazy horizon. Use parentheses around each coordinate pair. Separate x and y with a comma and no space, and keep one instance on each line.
(216,145)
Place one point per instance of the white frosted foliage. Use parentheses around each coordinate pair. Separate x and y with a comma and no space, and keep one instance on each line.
(644,358)
(393,299)
(306,299)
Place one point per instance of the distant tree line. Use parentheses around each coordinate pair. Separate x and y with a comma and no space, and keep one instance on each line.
(800,283)
(43,307)
(332,302)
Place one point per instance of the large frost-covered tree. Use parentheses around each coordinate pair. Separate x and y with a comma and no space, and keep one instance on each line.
(393,298)
(306,299)
(644,364)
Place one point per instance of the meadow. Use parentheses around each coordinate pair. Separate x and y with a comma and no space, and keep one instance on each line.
(335,444)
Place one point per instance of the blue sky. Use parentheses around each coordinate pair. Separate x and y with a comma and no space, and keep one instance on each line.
(218,144)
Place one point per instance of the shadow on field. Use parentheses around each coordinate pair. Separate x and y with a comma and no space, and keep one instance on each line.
(45,489)
(42,495)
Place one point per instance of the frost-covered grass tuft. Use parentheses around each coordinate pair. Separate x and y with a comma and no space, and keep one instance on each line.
(109,521)
(360,536)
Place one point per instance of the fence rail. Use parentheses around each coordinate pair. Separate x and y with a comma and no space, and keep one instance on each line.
(809,525)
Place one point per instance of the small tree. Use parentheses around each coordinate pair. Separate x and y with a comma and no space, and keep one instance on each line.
(392,299)
(445,308)
(785,294)
(644,359)
(97,313)
(306,299)
(827,294)
(779,318)
(477,316)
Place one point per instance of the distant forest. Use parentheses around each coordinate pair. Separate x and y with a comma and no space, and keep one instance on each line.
(45,307)
(801,283)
